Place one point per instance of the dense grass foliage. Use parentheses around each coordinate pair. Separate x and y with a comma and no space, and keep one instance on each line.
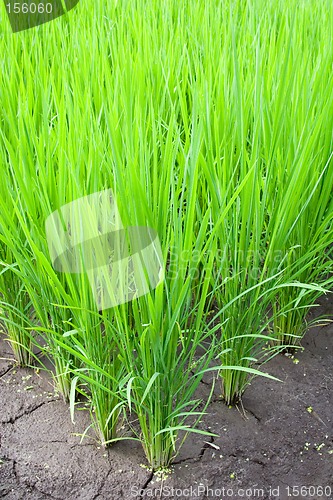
(212,123)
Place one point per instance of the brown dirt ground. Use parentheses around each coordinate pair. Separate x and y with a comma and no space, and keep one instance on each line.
(270,444)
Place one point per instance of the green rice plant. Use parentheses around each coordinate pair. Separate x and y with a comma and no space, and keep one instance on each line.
(15,313)
(18,233)
(63,307)
(267,147)
(291,305)
(299,179)
(96,372)
(15,306)
(160,333)
(307,259)
(165,343)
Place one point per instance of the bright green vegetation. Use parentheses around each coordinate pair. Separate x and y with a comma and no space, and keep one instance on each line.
(212,123)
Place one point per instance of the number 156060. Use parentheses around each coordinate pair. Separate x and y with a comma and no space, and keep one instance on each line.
(29,8)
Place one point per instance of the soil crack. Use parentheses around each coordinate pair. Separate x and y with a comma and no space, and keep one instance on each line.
(251,413)
(187,459)
(30,486)
(205,447)
(201,453)
(27,411)
(146,484)
(102,484)
(2,374)
(46,495)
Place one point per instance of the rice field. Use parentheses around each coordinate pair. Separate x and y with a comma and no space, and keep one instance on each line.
(211,123)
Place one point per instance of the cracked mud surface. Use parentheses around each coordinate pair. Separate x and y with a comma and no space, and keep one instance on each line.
(280,436)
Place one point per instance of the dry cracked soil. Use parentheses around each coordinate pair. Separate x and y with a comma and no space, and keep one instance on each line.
(277,444)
